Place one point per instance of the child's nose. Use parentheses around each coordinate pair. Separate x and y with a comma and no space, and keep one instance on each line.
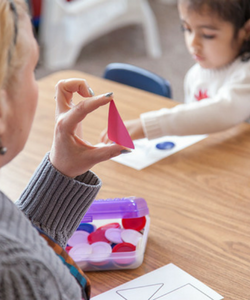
(194,42)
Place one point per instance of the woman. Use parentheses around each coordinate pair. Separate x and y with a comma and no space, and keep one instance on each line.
(62,187)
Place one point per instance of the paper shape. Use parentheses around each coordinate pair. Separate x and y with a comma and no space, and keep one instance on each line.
(117,132)
(166,283)
(146,153)
(187,292)
(145,292)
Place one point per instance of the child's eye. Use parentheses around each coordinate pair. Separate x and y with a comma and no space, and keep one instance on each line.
(208,36)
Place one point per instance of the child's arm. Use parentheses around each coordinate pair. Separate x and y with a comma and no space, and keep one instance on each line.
(229,105)
(228,108)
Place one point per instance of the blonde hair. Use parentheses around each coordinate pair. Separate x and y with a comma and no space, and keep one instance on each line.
(12,48)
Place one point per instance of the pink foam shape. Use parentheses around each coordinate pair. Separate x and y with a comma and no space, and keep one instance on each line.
(117,132)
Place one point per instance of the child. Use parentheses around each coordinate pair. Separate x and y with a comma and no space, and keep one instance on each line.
(34,230)
(217,87)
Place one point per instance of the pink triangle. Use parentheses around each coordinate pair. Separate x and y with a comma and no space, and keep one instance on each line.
(117,132)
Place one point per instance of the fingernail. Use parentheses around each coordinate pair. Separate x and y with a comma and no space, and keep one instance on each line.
(125,151)
(109,94)
(91,91)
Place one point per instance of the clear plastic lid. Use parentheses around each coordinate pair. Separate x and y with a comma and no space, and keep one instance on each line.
(117,208)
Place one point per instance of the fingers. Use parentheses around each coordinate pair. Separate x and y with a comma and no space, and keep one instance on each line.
(108,152)
(77,113)
(65,90)
(77,158)
(91,104)
(68,148)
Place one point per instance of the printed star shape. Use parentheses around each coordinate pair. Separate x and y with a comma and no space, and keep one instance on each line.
(202,95)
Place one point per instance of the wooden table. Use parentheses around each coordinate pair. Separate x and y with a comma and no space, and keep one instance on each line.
(198,198)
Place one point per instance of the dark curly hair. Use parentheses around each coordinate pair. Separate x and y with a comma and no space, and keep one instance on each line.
(236,12)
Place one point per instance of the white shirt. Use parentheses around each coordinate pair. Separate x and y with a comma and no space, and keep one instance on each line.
(225,95)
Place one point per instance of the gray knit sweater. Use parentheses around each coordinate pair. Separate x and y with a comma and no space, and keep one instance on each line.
(29,268)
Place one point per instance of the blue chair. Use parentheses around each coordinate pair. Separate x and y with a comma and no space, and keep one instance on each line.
(138,78)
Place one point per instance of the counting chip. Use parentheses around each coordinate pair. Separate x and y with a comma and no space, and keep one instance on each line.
(109,225)
(78,237)
(165,145)
(101,248)
(123,258)
(80,252)
(86,227)
(100,253)
(131,236)
(97,236)
(124,247)
(114,235)
(135,223)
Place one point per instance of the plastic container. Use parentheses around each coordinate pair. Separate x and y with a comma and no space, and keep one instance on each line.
(116,231)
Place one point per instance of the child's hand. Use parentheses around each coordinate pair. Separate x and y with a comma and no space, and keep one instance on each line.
(134,128)
(69,154)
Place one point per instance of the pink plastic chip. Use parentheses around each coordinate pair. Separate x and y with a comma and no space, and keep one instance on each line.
(78,237)
(114,235)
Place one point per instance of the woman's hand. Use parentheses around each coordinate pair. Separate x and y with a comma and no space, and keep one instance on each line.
(70,154)
(134,128)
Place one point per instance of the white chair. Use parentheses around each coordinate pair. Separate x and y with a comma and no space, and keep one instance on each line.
(66,27)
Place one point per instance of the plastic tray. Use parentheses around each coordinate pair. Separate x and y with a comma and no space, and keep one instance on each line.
(130,214)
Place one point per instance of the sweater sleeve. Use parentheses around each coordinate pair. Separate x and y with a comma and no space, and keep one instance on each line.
(56,203)
(229,107)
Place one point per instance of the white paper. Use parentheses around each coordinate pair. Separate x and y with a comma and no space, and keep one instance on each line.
(146,153)
(166,283)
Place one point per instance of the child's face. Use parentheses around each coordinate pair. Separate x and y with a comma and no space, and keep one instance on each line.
(209,39)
